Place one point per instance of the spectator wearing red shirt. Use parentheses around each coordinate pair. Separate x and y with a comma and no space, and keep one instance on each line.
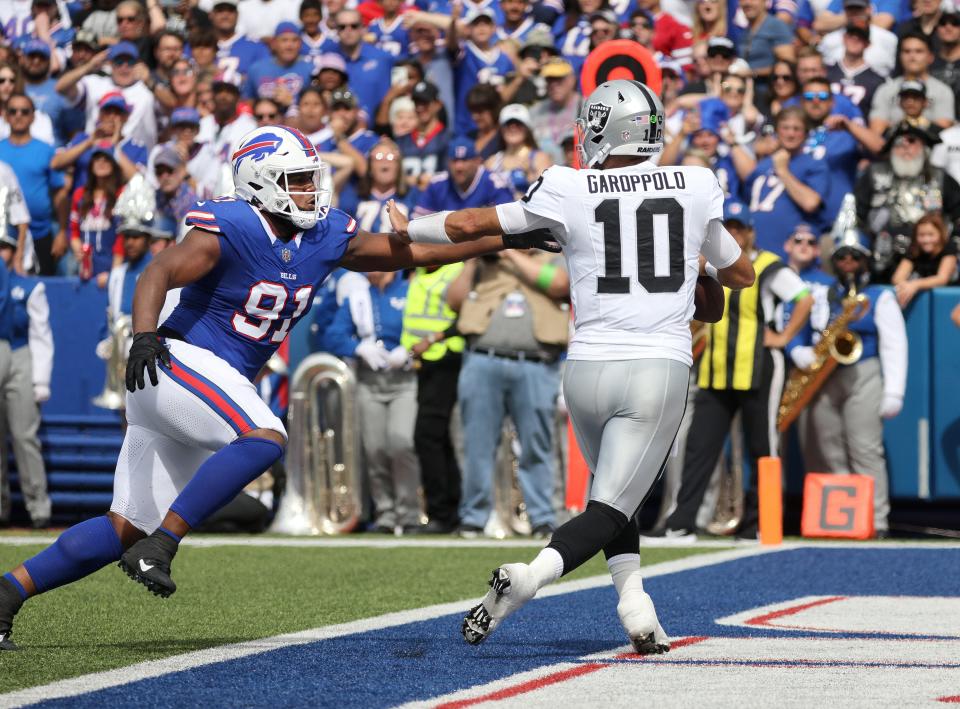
(671,38)
(93,226)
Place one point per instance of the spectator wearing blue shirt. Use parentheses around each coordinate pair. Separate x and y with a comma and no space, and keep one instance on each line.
(368,67)
(835,140)
(384,181)
(313,35)
(786,187)
(812,14)
(43,187)
(424,149)
(349,138)
(235,53)
(803,256)
(765,40)
(466,184)
(35,65)
(131,155)
(389,34)
(479,61)
(282,76)
(517,22)
(436,64)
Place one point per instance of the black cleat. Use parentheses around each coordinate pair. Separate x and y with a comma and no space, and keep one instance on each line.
(10,603)
(148,563)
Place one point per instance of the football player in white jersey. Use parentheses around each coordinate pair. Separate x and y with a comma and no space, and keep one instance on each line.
(633,235)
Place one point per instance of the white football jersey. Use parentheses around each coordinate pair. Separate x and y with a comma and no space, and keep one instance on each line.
(632,238)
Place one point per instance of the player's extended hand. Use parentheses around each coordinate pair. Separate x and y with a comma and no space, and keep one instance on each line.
(537,239)
(144,353)
(399,222)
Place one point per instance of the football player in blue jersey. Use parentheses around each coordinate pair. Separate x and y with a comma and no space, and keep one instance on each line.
(198,431)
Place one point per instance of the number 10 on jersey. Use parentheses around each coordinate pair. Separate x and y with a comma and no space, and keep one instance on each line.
(653,236)
(263,307)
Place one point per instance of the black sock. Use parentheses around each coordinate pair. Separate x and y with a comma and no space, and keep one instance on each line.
(583,536)
(627,542)
(10,602)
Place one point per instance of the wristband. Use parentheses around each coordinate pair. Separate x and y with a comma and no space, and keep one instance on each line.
(711,271)
(545,277)
(429,229)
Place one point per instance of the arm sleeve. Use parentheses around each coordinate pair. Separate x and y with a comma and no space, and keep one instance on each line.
(787,285)
(892,332)
(719,247)
(515,218)
(19,214)
(341,337)
(40,336)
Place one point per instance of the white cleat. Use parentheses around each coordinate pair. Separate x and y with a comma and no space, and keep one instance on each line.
(511,586)
(639,619)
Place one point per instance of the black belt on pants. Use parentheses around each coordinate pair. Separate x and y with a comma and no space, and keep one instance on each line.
(515,355)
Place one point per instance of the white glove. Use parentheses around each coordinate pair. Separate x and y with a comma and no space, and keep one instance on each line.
(373,354)
(891,405)
(398,358)
(802,357)
(103,349)
(41,393)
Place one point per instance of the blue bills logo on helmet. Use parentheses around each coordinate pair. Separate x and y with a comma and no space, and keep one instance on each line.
(597,116)
(260,147)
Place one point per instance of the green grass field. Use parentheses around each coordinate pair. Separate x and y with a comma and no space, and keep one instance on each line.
(232,594)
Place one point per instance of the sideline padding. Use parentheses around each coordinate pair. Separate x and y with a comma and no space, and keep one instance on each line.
(837,506)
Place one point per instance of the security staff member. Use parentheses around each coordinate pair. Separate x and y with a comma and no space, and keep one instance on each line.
(25,383)
(741,369)
(429,332)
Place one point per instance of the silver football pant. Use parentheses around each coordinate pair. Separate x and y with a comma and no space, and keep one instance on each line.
(625,417)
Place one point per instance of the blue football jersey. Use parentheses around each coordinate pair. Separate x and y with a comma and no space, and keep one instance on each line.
(775,214)
(392,38)
(477,66)
(235,56)
(244,307)
(486,190)
(841,152)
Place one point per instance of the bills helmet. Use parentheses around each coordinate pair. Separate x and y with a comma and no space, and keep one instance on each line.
(621,117)
(265,164)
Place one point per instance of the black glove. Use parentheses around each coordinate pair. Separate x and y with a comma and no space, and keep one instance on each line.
(144,353)
(537,239)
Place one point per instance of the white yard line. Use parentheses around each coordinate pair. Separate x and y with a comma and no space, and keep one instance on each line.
(156,668)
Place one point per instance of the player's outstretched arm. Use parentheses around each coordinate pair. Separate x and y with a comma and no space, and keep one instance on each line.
(732,266)
(174,267)
(380,252)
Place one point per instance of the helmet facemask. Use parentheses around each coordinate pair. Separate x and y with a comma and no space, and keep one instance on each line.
(310,180)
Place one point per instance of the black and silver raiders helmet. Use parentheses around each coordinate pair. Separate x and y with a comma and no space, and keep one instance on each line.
(621,117)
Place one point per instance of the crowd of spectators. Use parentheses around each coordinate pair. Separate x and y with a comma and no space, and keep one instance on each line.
(445,104)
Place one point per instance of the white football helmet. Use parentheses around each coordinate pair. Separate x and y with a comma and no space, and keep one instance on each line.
(263,164)
(620,117)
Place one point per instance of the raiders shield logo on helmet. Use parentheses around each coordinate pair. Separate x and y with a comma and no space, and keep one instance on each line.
(597,116)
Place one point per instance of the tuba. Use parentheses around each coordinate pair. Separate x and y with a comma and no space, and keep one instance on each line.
(323,494)
(114,395)
(837,345)
(509,515)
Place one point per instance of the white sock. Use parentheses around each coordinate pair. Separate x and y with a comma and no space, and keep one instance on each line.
(547,567)
(623,567)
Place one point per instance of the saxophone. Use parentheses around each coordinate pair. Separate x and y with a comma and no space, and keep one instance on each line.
(837,345)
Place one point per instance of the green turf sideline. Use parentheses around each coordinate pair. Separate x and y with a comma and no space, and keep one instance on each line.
(234,594)
(383,541)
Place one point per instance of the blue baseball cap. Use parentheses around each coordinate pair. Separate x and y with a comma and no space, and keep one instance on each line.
(185,115)
(713,114)
(461,149)
(285,27)
(36,46)
(123,49)
(103,147)
(735,210)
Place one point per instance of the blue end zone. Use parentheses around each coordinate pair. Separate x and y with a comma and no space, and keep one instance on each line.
(427,659)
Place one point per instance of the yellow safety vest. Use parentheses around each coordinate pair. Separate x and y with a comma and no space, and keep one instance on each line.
(427,311)
(732,358)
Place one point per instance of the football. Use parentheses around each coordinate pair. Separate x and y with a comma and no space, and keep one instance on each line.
(708,299)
